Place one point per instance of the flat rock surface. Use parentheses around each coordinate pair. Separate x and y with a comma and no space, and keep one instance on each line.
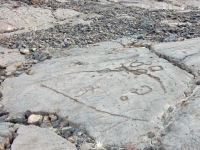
(34,138)
(185,54)
(185,3)
(10,59)
(107,89)
(27,17)
(184,132)
(148,4)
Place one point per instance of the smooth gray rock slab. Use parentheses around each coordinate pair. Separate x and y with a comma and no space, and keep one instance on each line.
(11,59)
(35,138)
(117,94)
(185,54)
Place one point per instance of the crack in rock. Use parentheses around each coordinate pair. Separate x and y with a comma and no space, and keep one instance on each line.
(91,107)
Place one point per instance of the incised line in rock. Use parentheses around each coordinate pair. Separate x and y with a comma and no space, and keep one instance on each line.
(91,107)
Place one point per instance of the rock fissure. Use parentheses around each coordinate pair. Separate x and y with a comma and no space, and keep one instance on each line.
(169,116)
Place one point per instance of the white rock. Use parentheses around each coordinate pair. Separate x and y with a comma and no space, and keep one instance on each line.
(33,119)
(24,51)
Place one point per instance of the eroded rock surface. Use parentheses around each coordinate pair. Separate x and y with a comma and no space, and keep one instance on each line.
(34,138)
(10,59)
(185,54)
(184,132)
(125,90)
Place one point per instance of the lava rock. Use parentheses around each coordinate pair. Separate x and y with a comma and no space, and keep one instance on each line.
(14,135)
(17,73)
(149,148)
(67,134)
(27,113)
(2,72)
(15,118)
(198,83)
(55,123)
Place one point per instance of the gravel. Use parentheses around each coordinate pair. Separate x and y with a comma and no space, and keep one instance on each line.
(140,23)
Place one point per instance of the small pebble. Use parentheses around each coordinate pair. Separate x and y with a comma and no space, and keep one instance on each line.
(67,134)
(8,73)
(71,139)
(24,51)
(3,77)
(53,117)
(198,82)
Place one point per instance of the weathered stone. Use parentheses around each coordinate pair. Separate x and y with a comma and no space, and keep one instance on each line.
(67,134)
(46,119)
(35,18)
(125,90)
(53,117)
(183,133)
(39,138)
(3,118)
(65,13)
(55,123)
(5,134)
(34,119)
(64,124)
(65,129)
(27,113)
(11,59)
(185,54)
(15,118)
(24,51)
(72,139)
(27,17)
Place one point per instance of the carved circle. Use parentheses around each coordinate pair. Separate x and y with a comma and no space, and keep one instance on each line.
(156,68)
(136,64)
(124,98)
(144,89)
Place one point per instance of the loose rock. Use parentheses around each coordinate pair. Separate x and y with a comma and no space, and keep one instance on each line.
(34,119)
(24,51)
